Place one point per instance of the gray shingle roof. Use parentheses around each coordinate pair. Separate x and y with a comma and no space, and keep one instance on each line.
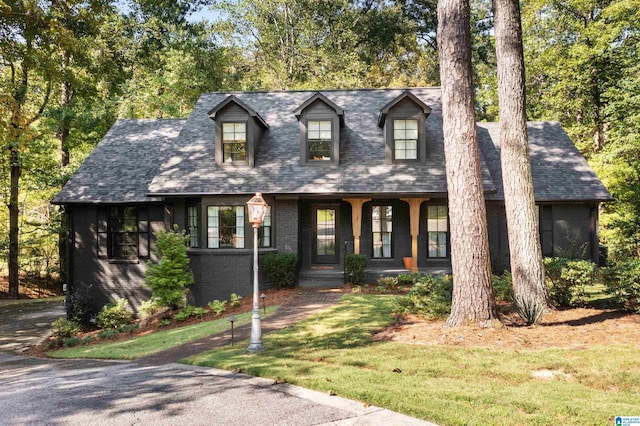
(362,169)
(149,157)
(560,172)
(123,164)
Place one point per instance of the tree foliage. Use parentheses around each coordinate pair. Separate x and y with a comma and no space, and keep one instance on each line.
(171,276)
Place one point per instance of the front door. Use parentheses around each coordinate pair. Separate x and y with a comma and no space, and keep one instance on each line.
(325,234)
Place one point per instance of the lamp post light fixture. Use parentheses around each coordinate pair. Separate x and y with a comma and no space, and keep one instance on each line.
(264,303)
(232,319)
(257,211)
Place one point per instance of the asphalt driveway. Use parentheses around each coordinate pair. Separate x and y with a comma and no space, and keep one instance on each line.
(24,323)
(70,392)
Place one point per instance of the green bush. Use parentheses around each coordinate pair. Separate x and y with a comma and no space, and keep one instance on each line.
(63,328)
(170,278)
(235,300)
(71,341)
(190,311)
(280,269)
(107,333)
(567,280)
(408,279)
(78,304)
(386,284)
(429,297)
(218,306)
(149,307)
(623,282)
(114,315)
(503,287)
(354,268)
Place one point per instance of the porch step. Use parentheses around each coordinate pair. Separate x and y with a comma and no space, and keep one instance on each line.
(330,278)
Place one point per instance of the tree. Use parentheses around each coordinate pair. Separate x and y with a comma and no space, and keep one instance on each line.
(171,275)
(525,251)
(472,300)
(28,76)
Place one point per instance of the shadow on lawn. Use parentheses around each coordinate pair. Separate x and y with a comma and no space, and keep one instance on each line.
(592,319)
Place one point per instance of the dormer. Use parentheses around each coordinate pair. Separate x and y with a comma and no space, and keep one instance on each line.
(320,121)
(238,130)
(403,125)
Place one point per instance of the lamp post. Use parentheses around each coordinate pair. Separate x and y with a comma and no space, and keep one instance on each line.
(257,211)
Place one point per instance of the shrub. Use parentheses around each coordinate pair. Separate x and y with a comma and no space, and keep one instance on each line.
(170,278)
(503,287)
(218,306)
(63,328)
(71,341)
(280,269)
(78,304)
(107,333)
(387,284)
(190,311)
(149,307)
(354,268)
(623,282)
(235,300)
(114,315)
(408,279)
(567,280)
(529,311)
(429,297)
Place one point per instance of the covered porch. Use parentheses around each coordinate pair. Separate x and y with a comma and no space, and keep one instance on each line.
(335,276)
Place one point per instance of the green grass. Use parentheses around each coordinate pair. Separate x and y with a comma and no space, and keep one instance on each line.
(447,385)
(149,344)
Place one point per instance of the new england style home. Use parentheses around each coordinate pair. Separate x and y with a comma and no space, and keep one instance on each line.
(343,171)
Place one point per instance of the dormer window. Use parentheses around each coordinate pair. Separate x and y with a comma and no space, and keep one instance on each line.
(405,139)
(238,130)
(403,123)
(319,140)
(234,142)
(320,122)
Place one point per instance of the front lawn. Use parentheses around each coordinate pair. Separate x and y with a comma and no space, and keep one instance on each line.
(148,344)
(336,351)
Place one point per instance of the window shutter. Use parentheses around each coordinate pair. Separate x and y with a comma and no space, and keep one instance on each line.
(103,232)
(143,232)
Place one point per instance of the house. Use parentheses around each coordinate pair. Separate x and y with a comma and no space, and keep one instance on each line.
(343,171)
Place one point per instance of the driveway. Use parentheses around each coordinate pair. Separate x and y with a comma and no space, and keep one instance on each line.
(24,323)
(38,391)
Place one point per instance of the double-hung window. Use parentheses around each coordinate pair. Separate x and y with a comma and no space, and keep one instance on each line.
(234,142)
(264,231)
(381,227)
(437,231)
(193,220)
(225,227)
(123,232)
(319,140)
(405,139)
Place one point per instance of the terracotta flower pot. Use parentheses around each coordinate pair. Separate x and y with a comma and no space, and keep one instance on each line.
(408,262)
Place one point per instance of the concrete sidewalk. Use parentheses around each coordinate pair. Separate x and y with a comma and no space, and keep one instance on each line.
(304,303)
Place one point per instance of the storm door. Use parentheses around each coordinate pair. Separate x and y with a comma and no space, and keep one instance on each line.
(325,234)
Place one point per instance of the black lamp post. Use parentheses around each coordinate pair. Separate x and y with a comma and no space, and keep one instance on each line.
(264,303)
(232,319)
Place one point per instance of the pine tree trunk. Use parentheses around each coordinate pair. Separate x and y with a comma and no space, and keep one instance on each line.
(522,224)
(473,300)
(14,213)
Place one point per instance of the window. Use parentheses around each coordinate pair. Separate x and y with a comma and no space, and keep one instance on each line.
(381,227)
(319,140)
(225,226)
(234,142)
(437,231)
(193,219)
(123,232)
(264,231)
(405,139)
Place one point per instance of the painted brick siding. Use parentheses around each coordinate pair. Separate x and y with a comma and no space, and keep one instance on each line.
(109,279)
(286,226)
